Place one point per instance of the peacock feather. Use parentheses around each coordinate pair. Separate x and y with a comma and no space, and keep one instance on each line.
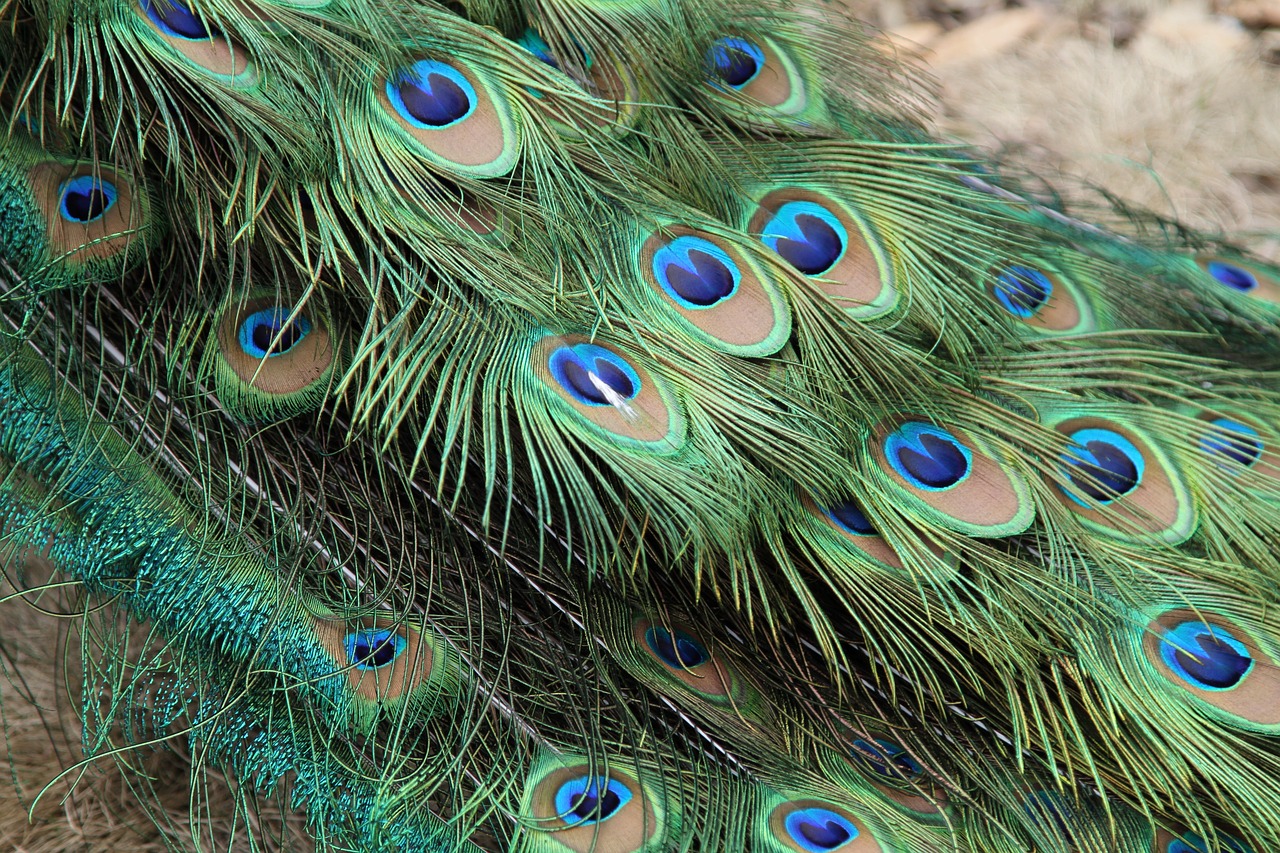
(617,425)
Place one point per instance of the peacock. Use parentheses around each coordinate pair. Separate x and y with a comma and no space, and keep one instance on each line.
(557,426)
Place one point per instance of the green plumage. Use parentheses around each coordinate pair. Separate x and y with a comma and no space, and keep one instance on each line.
(617,426)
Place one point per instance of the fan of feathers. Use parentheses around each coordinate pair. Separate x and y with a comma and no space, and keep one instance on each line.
(610,425)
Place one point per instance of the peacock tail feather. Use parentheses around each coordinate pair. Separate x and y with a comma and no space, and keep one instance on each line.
(617,425)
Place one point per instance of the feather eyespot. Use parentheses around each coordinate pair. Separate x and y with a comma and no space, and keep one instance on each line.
(587,800)
(1042,300)
(829,241)
(677,649)
(1207,657)
(177,20)
(928,457)
(695,272)
(1231,276)
(1227,665)
(593,375)
(819,830)
(1022,291)
(373,648)
(806,235)
(1237,276)
(850,519)
(815,826)
(734,62)
(86,198)
(1101,465)
(431,95)
(270,333)
(1238,445)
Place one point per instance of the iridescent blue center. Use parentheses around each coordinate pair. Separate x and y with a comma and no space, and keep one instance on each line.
(176,20)
(735,61)
(593,375)
(1102,465)
(270,332)
(1233,441)
(431,95)
(373,648)
(676,649)
(590,799)
(850,518)
(1232,276)
(86,198)
(819,830)
(695,272)
(1022,291)
(886,758)
(1206,656)
(807,236)
(927,457)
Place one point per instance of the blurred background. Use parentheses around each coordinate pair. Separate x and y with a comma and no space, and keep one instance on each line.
(1174,106)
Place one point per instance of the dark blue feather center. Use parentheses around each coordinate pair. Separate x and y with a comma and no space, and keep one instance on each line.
(1103,470)
(1206,656)
(373,648)
(86,198)
(590,799)
(676,649)
(850,516)
(1232,276)
(927,457)
(591,374)
(269,332)
(1233,441)
(1022,291)
(817,249)
(735,61)
(177,20)
(706,284)
(819,830)
(435,100)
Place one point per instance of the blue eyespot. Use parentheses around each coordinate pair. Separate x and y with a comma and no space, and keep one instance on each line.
(850,518)
(85,198)
(1022,291)
(886,758)
(819,830)
(1206,656)
(431,95)
(176,20)
(696,273)
(676,649)
(1047,808)
(594,376)
(258,332)
(807,236)
(1103,465)
(1232,276)
(373,648)
(1234,442)
(734,61)
(581,802)
(927,457)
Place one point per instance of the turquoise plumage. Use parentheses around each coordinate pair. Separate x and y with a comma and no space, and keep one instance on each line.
(616,425)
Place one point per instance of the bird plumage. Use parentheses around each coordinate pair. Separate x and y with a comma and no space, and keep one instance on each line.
(617,425)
